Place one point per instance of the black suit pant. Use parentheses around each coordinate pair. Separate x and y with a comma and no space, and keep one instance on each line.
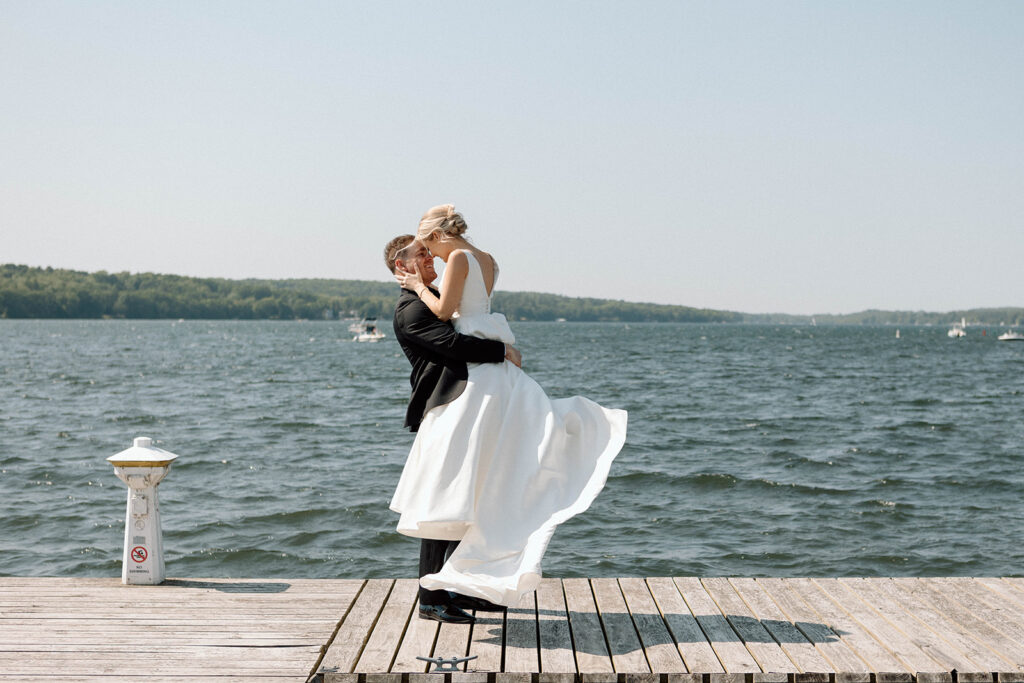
(433,554)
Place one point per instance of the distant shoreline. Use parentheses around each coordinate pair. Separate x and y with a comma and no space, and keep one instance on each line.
(49,293)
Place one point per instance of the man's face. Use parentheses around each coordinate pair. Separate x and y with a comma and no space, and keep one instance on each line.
(418,254)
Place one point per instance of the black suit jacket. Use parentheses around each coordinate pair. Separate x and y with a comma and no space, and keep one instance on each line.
(438,355)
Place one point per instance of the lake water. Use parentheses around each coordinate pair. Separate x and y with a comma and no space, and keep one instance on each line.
(752,450)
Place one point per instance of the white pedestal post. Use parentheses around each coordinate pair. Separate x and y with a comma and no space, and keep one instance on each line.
(142,467)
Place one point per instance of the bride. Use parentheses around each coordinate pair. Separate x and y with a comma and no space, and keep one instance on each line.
(501,466)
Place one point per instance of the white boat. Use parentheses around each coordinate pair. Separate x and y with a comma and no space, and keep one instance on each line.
(1011,336)
(366,330)
(958,330)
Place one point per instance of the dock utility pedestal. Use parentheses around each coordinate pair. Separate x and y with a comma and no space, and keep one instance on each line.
(142,467)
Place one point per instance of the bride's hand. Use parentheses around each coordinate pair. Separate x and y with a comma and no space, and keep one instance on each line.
(410,280)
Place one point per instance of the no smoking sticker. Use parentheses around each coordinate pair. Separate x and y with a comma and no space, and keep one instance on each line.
(139,554)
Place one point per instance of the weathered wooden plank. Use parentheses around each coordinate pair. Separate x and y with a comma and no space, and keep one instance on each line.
(901,647)
(555,640)
(1009,609)
(658,644)
(453,641)
(770,677)
(335,677)
(1003,614)
(766,652)
(84,625)
(1003,631)
(889,606)
(853,677)
(186,605)
(382,678)
(506,677)
(269,589)
(623,642)
(796,612)
(974,616)
(727,644)
(128,678)
(52,670)
(167,594)
(468,677)
(1015,582)
(950,630)
(800,650)
(144,636)
(1005,590)
(640,678)
(738,677)
(216,627)
(691,642)
(875,657)
(418,641)
(162,645)
(486,642)
(975,677)
(223,659)
(521,649)
(592,655)
(382,645)
(684,678)
(175,641)
(344,650)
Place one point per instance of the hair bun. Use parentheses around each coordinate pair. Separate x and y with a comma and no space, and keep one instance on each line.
(441,220)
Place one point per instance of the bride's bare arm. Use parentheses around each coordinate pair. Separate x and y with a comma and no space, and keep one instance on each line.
(454,282)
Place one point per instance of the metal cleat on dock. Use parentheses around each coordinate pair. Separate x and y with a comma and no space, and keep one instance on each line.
(444,665)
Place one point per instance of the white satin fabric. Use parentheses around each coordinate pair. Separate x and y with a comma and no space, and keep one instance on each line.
(501,466)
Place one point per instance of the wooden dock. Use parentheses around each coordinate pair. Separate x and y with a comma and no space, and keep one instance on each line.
(628,630)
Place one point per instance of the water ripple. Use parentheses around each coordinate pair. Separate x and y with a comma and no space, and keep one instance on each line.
(752,450)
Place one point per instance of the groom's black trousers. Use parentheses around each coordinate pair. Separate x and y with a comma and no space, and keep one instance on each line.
(433,553)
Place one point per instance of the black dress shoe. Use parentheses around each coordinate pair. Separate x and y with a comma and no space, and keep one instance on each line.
(478,604)
(446,614)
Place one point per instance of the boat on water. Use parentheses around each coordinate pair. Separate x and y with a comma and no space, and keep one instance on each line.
(958,330)
(366,330)
(1010,336)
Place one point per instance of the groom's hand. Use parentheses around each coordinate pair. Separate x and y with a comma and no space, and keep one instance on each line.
(513,355)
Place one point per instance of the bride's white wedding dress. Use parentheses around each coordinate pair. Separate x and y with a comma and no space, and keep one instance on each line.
(501,466)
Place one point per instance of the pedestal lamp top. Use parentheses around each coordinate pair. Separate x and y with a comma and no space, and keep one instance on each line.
(142,454)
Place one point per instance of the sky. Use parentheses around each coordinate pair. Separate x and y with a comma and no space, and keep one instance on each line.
(798,157)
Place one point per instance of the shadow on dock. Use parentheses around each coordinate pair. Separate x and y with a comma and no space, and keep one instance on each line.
(228,587)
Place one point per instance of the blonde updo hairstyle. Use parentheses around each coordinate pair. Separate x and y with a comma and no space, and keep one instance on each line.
(442,223)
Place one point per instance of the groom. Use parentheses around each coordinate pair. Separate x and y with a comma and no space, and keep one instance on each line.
(438,355)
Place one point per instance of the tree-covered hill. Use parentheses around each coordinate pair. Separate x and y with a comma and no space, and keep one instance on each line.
(28,292)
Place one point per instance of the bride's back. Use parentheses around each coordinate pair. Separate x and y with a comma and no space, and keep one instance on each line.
(475,299)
